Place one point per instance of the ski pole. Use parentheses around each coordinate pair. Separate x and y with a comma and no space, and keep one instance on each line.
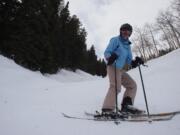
(144,92)
(116,105)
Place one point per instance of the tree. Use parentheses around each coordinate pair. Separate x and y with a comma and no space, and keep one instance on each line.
(152,36)
(8,13)
(154,40)
(167,20)
(32,35)
(91,61)
(42,36)
(175,9)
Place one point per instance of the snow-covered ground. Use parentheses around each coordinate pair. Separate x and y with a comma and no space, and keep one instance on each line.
(31,104)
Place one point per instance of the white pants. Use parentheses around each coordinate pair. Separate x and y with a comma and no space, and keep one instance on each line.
(122,79)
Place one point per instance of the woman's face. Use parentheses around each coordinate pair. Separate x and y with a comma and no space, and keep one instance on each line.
(125,33)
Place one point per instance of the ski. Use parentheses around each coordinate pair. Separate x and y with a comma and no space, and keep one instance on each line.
(143,117)
(140,115)
(117,121)
(129,118)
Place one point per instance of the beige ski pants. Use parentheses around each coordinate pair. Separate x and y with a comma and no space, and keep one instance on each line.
(122,79)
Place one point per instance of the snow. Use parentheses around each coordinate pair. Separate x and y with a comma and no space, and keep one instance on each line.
(69,76)
(31,104)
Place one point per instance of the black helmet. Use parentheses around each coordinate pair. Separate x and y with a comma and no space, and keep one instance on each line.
(126,26)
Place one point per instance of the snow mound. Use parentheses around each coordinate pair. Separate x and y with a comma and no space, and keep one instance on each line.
(67,76)
(9,67)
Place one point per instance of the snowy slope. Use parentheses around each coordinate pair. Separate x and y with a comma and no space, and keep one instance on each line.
(31,104)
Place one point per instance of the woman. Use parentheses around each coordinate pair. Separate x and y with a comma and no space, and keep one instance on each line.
(119,57)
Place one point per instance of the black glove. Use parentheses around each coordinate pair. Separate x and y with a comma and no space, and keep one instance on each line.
(112,58)
(136,62)
(139,60)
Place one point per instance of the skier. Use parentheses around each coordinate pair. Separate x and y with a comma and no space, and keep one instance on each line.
(118,56)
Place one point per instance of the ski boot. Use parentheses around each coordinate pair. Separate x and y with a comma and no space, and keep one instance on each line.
(111,114)
(129,109)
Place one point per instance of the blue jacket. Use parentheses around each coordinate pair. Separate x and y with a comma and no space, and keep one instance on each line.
(121,47)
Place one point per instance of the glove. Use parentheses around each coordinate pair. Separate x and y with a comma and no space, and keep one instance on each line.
(134,64)
(138,61)
(112,58)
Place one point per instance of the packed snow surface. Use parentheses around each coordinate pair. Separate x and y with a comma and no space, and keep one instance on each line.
(32,103)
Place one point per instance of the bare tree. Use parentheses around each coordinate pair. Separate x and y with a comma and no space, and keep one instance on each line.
(165,36)
(143,44)
(136,48)
(150,31)
(167,20)
(157,39)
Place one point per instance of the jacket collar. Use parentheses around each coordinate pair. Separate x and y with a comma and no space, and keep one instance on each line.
(125,41)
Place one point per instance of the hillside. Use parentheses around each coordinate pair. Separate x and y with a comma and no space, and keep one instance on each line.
(31,104)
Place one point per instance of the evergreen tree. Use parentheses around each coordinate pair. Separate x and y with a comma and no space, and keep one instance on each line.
(91,61)
(41,35)
(73,39)
(77,46)
(33,36)
(101,68)
(63,46)
(8,13)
